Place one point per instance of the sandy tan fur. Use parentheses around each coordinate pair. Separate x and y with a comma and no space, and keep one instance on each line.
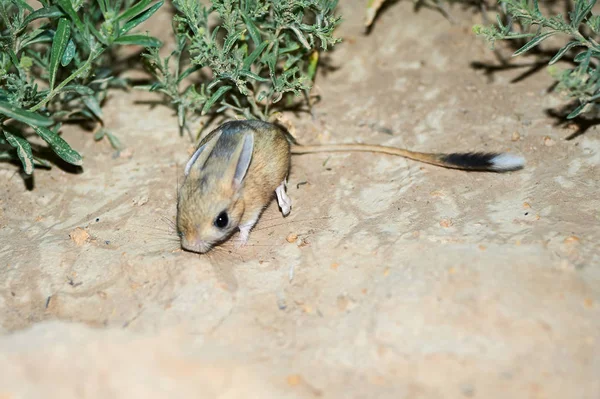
(208,190)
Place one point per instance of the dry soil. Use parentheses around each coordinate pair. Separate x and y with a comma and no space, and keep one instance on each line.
(405,280)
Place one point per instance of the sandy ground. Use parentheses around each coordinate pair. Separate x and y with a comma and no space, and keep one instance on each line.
(406,280)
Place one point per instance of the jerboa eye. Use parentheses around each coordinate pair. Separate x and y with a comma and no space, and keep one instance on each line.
(222,220)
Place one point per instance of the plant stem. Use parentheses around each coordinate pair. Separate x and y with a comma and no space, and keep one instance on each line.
(75,74)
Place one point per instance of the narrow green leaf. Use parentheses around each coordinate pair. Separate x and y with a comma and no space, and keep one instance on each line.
(23,150)
(139,40)
(300,37)
(120,83)
(79,89)
(499,22)
(514,35)
(581,56)
(585,63)
(213,99)
(230,41)
(114,141)
(133,11)
(532,43)
(24,4)
(187,72)
(92,103)
(46,12)
(215,83)
(292,60)
(88,114)
(41,162)
(594,97)
(90,25)
(37,36)
(140,18)
(582,14)
(577,111)
(252,30)
(270,59)
(58,115)
(103,7)
(536,8)
(69,54)
(290,48)
(563,51)
(586,55)
(59,146)
(59,44)
(222,108)
(13,58)
(143,87)
(68,8)
(99,135)
(24,116)
(254,55)
(215,32)
(254,76)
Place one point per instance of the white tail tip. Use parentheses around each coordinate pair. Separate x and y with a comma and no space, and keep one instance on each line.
(505,162)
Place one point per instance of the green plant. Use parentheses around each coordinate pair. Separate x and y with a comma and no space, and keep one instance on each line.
(582,82)
(257,52)
(55,66)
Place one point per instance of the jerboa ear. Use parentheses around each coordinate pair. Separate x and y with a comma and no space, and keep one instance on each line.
(240,161)
(199,157)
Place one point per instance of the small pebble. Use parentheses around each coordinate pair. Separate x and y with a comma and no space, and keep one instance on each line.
(294,379)
(79,236)
(141,200)
(446,223)
(589,302)
(126,153)
(281,304)
(291,238)
(303,242)
(571,240)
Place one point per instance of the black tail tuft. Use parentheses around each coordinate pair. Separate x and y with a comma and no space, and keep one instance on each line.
(470,160)
(484,161)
